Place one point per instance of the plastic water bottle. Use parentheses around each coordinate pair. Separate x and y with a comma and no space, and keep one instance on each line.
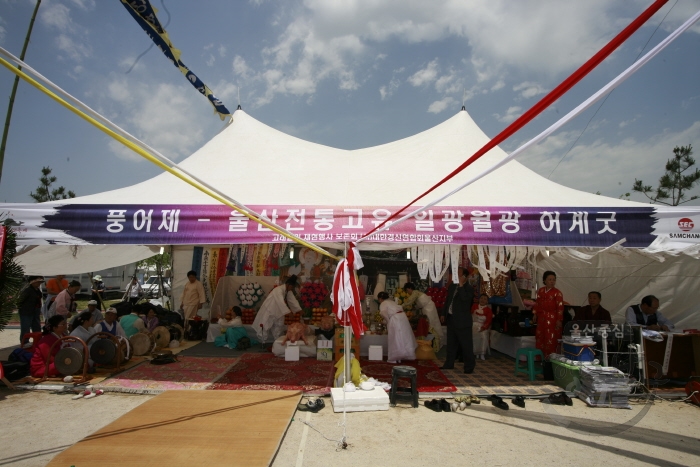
(527,322)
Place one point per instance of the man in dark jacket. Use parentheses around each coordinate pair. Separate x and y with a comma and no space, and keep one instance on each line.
(29,306)
(458,317)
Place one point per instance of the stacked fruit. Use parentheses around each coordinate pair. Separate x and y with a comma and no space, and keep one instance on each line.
(317,314)
(438,294)
(290,318)
(248,315)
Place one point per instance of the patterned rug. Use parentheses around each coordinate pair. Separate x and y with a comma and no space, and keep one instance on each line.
(429,379)
(496,375)
(264,371)
(186,373)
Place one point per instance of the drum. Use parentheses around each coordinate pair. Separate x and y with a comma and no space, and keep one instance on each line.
(162,337)
(142,343)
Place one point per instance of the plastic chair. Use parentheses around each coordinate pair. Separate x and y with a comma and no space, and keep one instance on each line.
(403,371)
(530,370)
(34,336)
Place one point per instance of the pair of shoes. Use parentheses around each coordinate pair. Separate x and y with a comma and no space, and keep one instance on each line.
(312,406)
(445,406)
(560,398)
(519,401)
(445,367)
(496,401)
(466,400)
(433,405)
(474,400)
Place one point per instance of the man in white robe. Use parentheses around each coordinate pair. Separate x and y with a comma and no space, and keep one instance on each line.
(425,304)
(270,318)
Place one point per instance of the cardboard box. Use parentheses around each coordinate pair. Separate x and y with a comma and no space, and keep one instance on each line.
(324,350)
(375,352)
(291,353)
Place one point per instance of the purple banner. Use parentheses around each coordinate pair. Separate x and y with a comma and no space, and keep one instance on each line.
(216,224)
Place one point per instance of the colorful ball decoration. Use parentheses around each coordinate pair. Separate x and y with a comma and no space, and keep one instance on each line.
(250,294)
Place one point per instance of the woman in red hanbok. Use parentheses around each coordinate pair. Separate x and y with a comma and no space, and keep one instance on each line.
(54,329)
(548,313)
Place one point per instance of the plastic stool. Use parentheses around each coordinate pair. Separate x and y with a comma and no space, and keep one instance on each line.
(530,353)
(402,371)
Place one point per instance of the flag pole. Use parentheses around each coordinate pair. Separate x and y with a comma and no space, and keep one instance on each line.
(348,336)
(6,130)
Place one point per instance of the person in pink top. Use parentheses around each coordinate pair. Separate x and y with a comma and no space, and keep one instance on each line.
(65,304)
(482,316)
(54,329)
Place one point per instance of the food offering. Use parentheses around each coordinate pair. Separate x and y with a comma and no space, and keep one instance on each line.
(317,315)
(250,294)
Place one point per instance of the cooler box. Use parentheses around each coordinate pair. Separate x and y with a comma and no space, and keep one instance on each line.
(567,377)
(359,401)
(579,352)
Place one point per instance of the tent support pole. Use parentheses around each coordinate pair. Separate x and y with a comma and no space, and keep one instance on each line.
(348,337)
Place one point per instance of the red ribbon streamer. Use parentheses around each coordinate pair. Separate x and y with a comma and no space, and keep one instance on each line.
(545,102)
(353,315)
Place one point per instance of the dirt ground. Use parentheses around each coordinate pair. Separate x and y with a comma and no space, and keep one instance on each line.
(658,433)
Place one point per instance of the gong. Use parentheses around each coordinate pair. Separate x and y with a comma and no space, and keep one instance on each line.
(69,361)
(162,336)
(103,351)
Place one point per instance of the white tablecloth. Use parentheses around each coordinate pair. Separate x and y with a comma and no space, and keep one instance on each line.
(509,345)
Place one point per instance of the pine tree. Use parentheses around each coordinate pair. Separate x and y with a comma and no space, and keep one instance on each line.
(45,193)
(674,184)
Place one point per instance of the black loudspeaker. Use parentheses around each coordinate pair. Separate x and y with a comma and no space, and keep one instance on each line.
(513,275)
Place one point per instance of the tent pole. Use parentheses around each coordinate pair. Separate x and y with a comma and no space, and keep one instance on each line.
(348,338)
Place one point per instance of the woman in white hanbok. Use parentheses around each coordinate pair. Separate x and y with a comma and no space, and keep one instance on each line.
(82,329)
(481,316)
(401,341)
(426,305)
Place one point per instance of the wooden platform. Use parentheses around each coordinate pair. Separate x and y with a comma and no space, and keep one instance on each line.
(236,428)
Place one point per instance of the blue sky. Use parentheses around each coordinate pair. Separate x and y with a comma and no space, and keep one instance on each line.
(349,74)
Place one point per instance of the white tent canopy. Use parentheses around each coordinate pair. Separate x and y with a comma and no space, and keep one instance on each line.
(265,168)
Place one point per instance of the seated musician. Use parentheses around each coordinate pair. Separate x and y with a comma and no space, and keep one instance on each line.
(110,324)
(132,323)
(593,311)
(150,320)
(54,329)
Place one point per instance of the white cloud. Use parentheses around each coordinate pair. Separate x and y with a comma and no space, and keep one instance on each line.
(2,33)
(500,84)
(386,91)
(75,49)
(599,164)
(438,106)
(56,15)
(528,89)
(84,4)
(240,67)
(511,114)
(222,51)
(425,76)
(211,60)
(163,116)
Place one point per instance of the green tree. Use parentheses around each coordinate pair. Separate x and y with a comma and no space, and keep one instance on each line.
(45,193)
(11,278)
(674,184)
(160,263)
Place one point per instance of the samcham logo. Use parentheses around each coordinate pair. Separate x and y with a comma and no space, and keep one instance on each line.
(686,224)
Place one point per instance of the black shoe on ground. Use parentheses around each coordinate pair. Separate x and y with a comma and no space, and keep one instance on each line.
(445,406)
(567,400)
(558,399)
(433,405)
(469,372)
(498,402)
(519,401)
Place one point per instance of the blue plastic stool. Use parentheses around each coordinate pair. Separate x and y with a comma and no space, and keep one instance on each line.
(530,370)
